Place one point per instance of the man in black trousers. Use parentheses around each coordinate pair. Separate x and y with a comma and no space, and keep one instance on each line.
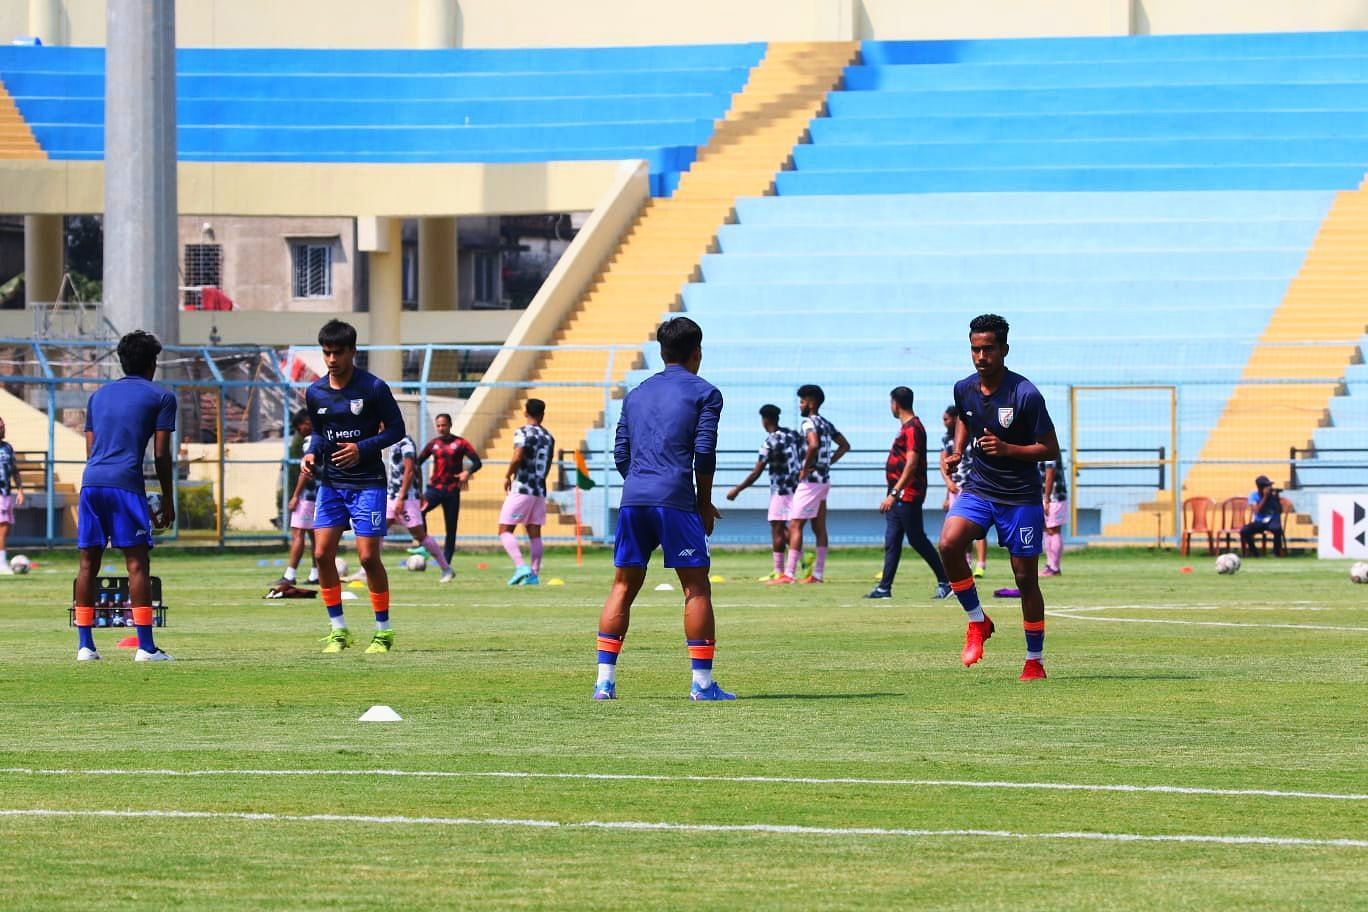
(905,471)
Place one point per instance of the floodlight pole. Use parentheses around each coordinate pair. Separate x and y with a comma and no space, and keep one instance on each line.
(140,276)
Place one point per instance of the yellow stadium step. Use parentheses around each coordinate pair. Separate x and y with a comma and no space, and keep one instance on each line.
(1262,421)
(16,139)
(662,251)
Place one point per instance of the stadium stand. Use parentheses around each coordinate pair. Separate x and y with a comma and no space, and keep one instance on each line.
(16,139)
(658,104)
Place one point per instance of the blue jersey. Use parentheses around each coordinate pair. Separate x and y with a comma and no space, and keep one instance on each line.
(354,414)
(123,416)
(667,423)
(1016,414)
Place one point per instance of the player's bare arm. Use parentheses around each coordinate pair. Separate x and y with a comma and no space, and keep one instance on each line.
(810,457)
(842,447)
(961,442)
(161,459)
(748,480)
(1049,481)
(298,492)
(513,469)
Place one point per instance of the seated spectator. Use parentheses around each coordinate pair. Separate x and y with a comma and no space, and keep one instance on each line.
(1267,503)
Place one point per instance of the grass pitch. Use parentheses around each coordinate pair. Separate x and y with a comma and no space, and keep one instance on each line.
(1218,685)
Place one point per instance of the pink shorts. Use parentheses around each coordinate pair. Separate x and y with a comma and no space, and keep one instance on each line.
(527,509)
(302,517)
(781,507)
(1056,513)
(808,499)
(6,508)
(410,512)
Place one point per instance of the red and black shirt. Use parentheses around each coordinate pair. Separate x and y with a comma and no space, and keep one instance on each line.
(448,460)
(910,442)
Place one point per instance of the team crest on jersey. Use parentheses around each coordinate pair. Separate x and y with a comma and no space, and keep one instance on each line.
(357,404)
(1005,416)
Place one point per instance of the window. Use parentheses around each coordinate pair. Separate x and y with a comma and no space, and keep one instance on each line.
(203,269)
(312,270)
(486,279)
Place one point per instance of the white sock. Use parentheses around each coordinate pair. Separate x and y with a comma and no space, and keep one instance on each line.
(288,575)
(976,615)
(4,557)
(703,677)
(382,625)
(313,574)
(338,623)
(607,673)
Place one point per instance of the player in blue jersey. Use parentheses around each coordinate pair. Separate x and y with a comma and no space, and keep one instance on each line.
(355,418)
(1004,423)
(121,418)
(666,444)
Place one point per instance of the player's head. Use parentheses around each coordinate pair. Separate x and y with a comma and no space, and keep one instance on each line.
(1262,482)
(769,416)
(988,344)
(900,401)
(950,416)
(443,424)
(138,354)
(681,342)
(535,410)
(302,423)
(810,398)
(338,341)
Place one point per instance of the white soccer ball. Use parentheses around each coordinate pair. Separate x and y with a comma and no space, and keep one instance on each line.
(416,562)
(19,564)
(341,564)
(1358,573)
(1227,564)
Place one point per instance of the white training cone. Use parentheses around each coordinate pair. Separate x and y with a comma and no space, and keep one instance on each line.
(664,587)
(380,714)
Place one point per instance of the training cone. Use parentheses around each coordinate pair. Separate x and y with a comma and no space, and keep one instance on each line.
(717,578)
(356,584)
(482,566)
(128,643)
(555,581)
(664,587)
(380,714)
(1185,570)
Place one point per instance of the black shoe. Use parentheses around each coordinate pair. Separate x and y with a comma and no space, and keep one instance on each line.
(879,593)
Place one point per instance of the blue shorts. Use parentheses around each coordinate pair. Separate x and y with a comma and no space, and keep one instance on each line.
(114,516)
(1020,527)
(363,510)
(678,533)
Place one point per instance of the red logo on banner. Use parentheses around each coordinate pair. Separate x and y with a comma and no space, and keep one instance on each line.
(1337,531)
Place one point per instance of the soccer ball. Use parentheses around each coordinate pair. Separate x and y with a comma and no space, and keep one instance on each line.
(1227,564)
(341,564)
(19,564)
(416,562)
(1358,573)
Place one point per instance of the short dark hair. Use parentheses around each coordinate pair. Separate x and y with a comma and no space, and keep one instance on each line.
(770,413)
(952,411)
(990,323)
(336,334)
(811,391)
(138,353)
(536,408)
(903,396)
(679,338)
(299,418)
(441,415)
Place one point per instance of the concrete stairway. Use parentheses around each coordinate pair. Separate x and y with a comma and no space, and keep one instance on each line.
(16,139)
(660,253)
(1309,341)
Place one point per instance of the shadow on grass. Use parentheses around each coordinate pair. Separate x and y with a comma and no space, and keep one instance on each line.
(822,696)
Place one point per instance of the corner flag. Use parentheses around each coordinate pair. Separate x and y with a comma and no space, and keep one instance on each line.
(582,479)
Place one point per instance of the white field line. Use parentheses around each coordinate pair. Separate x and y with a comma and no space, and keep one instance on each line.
(649,777)
(1084,614)
(664,826)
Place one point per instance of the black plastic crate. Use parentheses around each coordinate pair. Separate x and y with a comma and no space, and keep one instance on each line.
(112,606)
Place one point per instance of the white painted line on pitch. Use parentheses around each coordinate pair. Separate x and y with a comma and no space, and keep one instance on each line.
(650,777)
(1081,614)
(663,826)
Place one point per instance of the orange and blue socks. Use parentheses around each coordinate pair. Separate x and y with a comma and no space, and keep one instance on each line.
(380,605)
(142,622)
(85,628)
(701,658)
(967,594)
(332,600)
(1035,638)
(609,646)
